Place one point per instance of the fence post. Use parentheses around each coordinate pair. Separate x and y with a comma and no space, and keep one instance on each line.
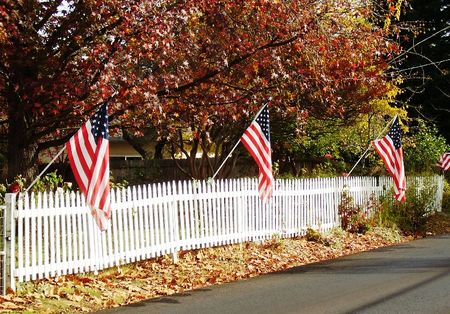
(9,242)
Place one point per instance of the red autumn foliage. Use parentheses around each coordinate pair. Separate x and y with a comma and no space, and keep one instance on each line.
(178,64)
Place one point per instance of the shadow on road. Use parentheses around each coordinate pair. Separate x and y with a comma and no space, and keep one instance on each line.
(399,293)
(168,300)
(376,261)
(374,266)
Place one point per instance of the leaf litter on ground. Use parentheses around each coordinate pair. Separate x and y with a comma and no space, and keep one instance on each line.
(194,269)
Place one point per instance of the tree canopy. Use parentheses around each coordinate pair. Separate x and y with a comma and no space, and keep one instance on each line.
(178,64)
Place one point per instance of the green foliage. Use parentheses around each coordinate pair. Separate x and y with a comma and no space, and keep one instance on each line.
(117,183)
(313,235)
(422,149)
(410,217)
(3,190)
(334,238)
(122,184)
(14,187)
(391,234)
(446,197)
(324,170)
(50,182)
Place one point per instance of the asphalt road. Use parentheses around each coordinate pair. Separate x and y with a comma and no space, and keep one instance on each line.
(407,278)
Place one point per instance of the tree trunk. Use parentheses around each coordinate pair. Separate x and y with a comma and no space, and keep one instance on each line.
(135,144)
(22,155)
(159,148)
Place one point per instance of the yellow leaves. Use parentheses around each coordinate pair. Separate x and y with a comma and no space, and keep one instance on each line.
(395,11)
(3,34)
(255,68)
(383,104)
(398,7)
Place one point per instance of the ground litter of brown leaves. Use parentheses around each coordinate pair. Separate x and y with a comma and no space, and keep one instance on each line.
(194,269)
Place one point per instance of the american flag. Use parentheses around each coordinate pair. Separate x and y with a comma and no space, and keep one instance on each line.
(444,161)
(257,141)
(390,150)
(88,152)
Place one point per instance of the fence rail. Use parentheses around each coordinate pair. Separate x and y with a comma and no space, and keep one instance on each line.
(53,234)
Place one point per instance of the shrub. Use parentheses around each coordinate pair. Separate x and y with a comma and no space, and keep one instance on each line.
(50,182)
(423,147)
(353,218)
(334,238)
(410,217)
(446,197)
(313,235)
(391,235)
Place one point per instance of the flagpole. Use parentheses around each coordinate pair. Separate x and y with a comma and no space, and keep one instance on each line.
(231,152)
(45,169)
(362,156)
(225,160)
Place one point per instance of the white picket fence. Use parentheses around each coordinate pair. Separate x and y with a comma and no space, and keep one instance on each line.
(53,234)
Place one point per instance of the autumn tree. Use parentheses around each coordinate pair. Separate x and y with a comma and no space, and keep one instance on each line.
(311,73)
(178,65)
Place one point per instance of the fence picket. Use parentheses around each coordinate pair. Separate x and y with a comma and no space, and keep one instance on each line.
(20,238)
(68,227)
(40,262)
(146,230)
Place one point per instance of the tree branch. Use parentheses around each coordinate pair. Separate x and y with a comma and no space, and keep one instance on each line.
(420,42)
(48,14)
(56,142)
(134,144)
(207,76)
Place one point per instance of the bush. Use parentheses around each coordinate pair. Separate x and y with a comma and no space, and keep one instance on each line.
(446,198)
(313,235)
(422,148)
(334,238)
(391,235)
(353,218)
(50,182)
(410,217)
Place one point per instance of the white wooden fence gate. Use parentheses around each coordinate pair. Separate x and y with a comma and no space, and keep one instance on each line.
(52,234)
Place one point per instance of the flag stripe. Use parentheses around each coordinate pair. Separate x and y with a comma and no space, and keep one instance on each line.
(259,153)
(444,161)
(257,148)
(77,157)
(98,191)
(88,152)
(257,141)
(390,150)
